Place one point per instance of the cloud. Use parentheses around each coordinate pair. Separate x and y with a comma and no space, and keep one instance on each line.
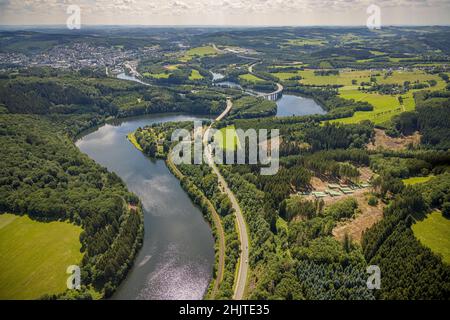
(121,11)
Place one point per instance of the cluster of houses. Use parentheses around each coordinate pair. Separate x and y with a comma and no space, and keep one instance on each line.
(335,190)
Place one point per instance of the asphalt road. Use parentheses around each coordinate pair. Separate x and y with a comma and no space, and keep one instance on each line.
(241,280)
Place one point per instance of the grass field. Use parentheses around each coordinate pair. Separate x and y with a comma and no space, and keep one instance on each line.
(285,75)
(195,75)
(403,59)
(35,256)
(344,78)
(434,233)
(161,75)
(416,180)
(132,138)
(227,133)
(199,51)
(172,67)
(399,77)
(385,106)
(250,77)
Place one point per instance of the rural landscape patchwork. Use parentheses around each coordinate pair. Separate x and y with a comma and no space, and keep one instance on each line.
(135,159)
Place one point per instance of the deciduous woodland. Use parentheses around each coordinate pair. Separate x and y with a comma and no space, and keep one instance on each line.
(342,200)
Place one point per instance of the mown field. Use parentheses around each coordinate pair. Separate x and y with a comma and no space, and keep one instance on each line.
(416,180)
(385,106)
(434,233)
(35,256)
(161,75)
(195,75)
(199,51)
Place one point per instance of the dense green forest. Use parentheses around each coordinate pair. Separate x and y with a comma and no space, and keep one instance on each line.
(86,101)
(44,175)
(294,253)
(431,118)
(412,270)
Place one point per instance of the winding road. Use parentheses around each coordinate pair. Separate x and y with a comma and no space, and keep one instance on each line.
(239,287)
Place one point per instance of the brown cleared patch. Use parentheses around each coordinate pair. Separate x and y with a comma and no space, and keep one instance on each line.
(365,174)
(318,184)
(367,218)
(383,141)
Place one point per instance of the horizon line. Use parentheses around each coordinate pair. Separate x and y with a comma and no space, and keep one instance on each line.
(225,26)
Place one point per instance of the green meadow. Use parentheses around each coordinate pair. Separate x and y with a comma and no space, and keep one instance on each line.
(344,78)
(385,106)
(132,138)
(161,75)
(434,233)
(199,51)
(35,256)
(416,180)
(195,75)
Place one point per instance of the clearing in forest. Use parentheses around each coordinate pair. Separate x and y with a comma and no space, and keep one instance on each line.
(382,140)
(35,256)
(354,228)
(434,233)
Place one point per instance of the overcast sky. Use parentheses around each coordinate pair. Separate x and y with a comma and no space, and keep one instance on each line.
(225,12)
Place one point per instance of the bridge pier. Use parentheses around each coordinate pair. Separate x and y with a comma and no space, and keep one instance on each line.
(274,96)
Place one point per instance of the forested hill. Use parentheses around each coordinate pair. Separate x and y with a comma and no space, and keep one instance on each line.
(82,100)
(44,175)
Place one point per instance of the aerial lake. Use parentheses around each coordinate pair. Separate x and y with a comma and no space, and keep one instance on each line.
(177,257)
(290,105)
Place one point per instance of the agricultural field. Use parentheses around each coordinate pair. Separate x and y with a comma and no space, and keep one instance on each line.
(292,65)
(199,51)
(195,75)
(286,75)
(161,75)
(434,233)
(344,78)
(385,106)
(35,256)
(399,77)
